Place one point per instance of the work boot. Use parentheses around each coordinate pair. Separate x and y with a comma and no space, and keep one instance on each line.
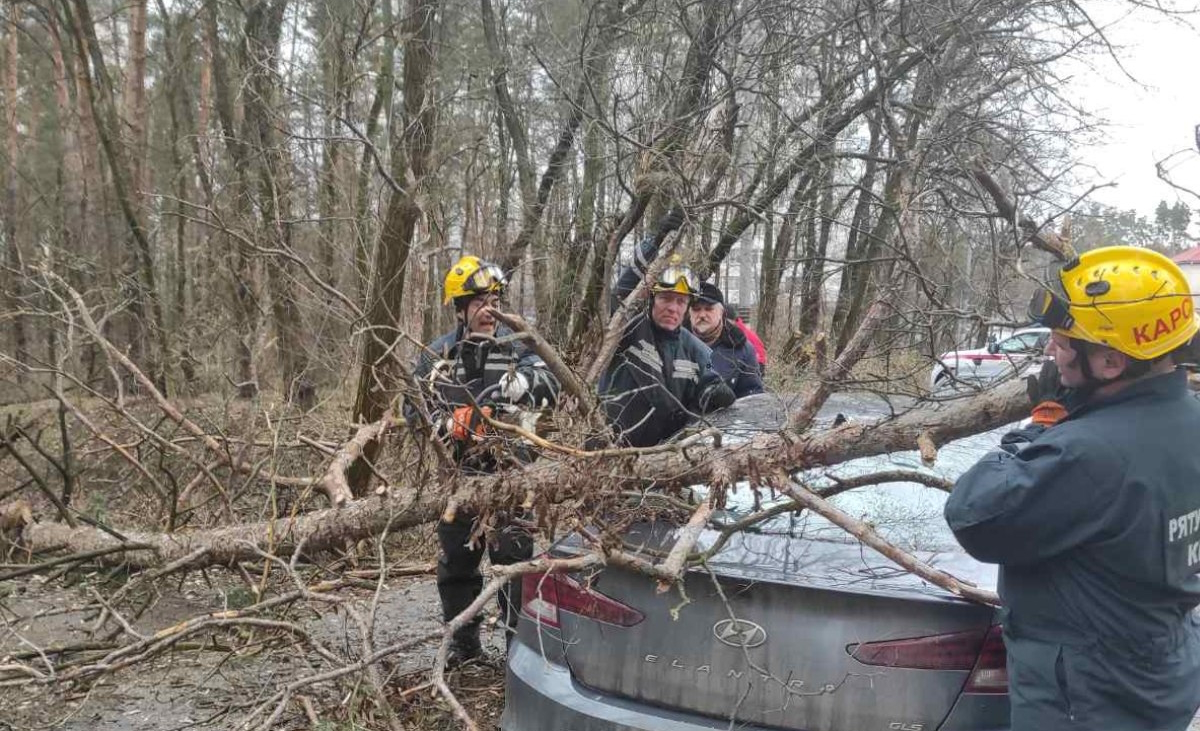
(465,647)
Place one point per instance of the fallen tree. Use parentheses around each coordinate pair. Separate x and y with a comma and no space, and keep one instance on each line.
(542,486)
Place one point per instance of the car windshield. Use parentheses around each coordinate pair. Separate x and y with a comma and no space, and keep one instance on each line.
(907,514)
(1025,343)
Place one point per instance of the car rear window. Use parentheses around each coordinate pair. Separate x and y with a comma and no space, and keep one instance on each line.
(906,514)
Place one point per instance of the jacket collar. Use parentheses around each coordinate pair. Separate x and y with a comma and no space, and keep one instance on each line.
(1166,386)
(459,335)
(731,336)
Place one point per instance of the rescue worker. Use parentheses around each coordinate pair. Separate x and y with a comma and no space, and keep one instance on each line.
(661,375)
(1093,513)
(465,369)
(733,356)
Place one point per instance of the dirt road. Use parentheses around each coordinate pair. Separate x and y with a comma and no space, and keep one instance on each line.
(194,687)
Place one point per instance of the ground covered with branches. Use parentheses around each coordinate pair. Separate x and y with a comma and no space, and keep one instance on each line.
(224,230)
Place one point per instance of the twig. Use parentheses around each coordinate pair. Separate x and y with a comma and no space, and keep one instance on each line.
(163,404)
(616,323)
(1044,240)
(839,370)
(584,396)
(676,559)
(867,536)
(503,574)
(62,510)
(74,558)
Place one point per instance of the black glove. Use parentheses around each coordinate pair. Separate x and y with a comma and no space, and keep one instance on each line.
(1013,441)
(1045,386)
(668,223)
(716,396)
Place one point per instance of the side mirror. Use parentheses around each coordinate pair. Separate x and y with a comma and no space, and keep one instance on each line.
(993,347)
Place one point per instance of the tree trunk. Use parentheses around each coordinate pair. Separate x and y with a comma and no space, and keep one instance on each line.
(381,101)
(98,87)
(582,254)
(131,136)
(243,281)
(508,110)
(547,483)
(264,24)
(775,262)
(816,245)
(177,103)
(135,99)
(15,286)
(596,54)
(336,69)
(855,268)
(411,160)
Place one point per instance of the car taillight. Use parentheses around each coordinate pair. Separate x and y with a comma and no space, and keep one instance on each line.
(990,674)
(980,652)
(544,595)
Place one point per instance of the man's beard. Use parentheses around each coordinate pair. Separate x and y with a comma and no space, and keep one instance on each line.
(710,335)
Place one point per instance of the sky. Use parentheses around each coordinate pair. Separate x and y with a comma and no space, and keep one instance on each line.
(1152,115)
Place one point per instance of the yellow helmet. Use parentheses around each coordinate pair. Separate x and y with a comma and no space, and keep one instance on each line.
(471,276)
(677,277)
(1133,300)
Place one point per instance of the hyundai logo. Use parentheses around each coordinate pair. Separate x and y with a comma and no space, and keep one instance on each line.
(739,633)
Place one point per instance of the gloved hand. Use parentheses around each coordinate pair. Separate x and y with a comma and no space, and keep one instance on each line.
(717,396)
(1051,401)
(1013,441)
(668,223)
(467,424)
(513,387)
(442,370)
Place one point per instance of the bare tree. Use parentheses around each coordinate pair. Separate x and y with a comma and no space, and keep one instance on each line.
(411,158)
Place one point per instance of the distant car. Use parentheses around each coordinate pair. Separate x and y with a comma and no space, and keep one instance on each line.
(1000,358)
(792,627)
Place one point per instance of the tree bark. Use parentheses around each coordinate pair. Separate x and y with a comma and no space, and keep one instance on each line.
(411,160)
(857,266)
(336,69)
(98,86)
(264,24)
(812,295)
(177,103)
(243,280)
(135,99)
(382,100)
(14,287)
(775,261)
(545,484)
(508,110)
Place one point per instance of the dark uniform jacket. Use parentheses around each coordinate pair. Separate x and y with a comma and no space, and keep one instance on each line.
(735,361)
(658,380)
(1096,527)
(470,370)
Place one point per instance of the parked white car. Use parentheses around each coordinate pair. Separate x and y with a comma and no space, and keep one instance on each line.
(1000,358)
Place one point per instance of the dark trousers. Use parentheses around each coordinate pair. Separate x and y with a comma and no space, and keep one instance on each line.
(458,579)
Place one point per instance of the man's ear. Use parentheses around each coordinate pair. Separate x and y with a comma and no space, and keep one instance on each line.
(1108,363)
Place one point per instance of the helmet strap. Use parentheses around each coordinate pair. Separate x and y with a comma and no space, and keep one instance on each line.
(1135,368)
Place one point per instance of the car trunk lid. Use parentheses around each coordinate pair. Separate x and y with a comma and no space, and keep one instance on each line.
(767,637)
